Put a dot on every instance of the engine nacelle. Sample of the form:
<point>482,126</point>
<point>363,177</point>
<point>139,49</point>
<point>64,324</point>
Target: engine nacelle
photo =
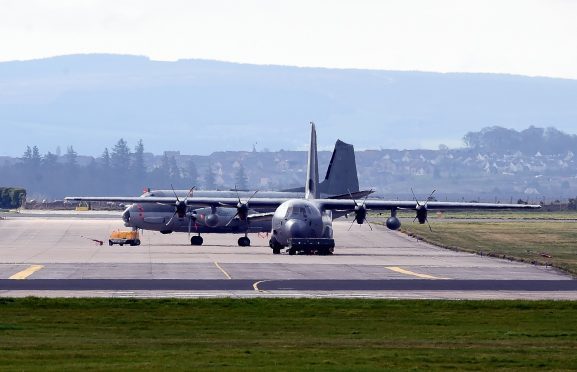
<point>360,214</point>
<point>393,223</point>
<point>211,220</point>
<point>180,207</point>
<point>242,211</point>
<point>422,214</point>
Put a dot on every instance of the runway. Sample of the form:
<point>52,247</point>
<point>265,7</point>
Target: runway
<point>53,255</point>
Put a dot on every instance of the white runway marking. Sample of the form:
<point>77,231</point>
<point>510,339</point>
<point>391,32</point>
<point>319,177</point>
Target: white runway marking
<point>223,271</point>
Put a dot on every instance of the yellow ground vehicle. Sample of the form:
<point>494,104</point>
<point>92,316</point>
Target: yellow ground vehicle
<point>124,237</point>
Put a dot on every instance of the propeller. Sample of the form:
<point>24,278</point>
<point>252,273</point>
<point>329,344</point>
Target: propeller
<point>180,206</point>
<point>241,208</point>
<point>422,210</point>
<point>360,212</point>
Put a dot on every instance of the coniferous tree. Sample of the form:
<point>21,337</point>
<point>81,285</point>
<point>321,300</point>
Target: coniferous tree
<point>105,160</point>
<point>50,161</point>
<point>36,158</point>
<point>138,167</point>
<point>120,157</point>
<point>71,159</point>
<point>27,156</point>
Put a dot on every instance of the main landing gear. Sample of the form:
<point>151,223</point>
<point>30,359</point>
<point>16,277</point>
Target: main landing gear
<point>244,241</point>
<point>196,240</point>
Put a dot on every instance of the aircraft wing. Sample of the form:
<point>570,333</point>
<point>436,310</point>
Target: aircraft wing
<point>372,204</point>
<point>169,200</point>
<point>326,204</point>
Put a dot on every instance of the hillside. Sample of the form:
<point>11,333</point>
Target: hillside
<point>198,106</point>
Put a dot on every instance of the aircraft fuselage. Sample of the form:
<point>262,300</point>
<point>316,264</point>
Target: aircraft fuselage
<point>159,217</point>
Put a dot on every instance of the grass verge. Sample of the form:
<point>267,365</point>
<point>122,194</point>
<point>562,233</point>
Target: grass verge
<point>539,242</point>
<point>285,334</point>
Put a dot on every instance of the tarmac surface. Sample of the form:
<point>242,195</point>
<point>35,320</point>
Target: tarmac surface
<point>57,255</point>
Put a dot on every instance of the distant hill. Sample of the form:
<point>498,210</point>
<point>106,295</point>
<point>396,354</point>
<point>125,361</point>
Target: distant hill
<point>198,106</point>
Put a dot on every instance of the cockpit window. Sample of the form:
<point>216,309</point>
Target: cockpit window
<point>297,212</point>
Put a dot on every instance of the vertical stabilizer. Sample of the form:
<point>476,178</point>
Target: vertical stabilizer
<point>341,178</point>
<point>312,184</point>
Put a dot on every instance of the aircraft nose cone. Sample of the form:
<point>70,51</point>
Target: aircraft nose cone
<point>296,229</point>
<point>126,216</point>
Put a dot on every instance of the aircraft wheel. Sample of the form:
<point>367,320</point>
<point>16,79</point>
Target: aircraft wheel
<point>110,243</point>
<point>244,241</point>
<point>276,250</point>
<point>196,240</point>
<point>292,251</point>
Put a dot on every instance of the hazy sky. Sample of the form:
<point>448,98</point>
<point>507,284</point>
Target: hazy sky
<point>529,37</point>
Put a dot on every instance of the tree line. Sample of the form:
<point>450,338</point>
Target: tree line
<point>547,141</point>
<point>119,171</point>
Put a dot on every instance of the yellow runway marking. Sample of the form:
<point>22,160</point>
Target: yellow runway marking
<point>407,272</point>
<point>26,273</point>
<point>221,269</point>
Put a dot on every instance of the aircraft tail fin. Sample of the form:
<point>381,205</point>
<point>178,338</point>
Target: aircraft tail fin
<point>312,185</point>
<point>341,177</point>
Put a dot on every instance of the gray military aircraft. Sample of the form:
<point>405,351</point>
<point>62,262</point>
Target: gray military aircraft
<point>305,224</point>
<point>340,182</point>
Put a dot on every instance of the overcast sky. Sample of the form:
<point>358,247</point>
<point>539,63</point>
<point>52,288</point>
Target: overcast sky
<point>528,37</point>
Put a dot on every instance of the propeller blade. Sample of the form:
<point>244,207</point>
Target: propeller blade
<point>189,193</point>
<point>352,222</point>
<point>368,223</point>
<point>233,217</point>
<point>172,187</point>
<point>237,194</point>
<point>351,195</point>
<point>252,196</point>
<point>415,197</point>
<point>429,198</point>
<point>367,196</point>
<point>171,218</point>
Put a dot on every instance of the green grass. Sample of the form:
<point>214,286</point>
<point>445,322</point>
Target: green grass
<point>529,241</point>
<point>281,334</point>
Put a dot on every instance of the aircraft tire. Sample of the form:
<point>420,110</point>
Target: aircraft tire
<point>196,240</point>
<point>244,242</point>
<point>276,250</point>
<point>292,251</point>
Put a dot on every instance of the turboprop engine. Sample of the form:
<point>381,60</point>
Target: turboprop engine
<point>421,214</point>
<point>393,222</point>
<point>211,220</point>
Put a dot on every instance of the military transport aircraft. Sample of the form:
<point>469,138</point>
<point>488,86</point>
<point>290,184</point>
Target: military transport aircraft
<point>302,224</point>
